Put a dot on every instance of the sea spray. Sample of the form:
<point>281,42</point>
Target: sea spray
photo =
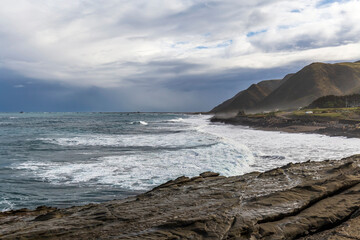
<point>64,159</point>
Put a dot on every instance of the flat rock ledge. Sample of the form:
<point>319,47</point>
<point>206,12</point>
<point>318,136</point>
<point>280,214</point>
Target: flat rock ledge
<point>311,200</point>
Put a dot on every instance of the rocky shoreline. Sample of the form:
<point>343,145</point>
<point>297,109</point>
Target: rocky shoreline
<point>311,200</point>
<point>297,124</point>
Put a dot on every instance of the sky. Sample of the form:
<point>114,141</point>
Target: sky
<point>161,55</point>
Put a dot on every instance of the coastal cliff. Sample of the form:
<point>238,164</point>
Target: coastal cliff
<point>311,200</point>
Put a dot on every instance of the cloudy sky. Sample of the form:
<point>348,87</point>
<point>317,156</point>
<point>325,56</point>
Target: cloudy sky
<point>161,55</point>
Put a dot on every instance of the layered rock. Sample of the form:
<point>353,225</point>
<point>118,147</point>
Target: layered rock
<point>288,122</point>
<point>312,200</point>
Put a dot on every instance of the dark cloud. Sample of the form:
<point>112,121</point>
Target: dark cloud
<point>161,55</point>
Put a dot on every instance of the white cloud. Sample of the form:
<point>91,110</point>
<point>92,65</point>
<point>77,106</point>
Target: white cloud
<point>111,43</point>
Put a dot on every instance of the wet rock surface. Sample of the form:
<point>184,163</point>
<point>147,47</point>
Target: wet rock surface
<point>312,200</point>
<point>298,124</point>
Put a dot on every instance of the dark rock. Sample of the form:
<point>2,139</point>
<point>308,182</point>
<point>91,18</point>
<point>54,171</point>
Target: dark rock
<point>311,200</point>
<point>209,174</point>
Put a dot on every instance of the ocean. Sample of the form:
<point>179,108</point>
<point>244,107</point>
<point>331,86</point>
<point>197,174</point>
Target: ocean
<point>66,159</point>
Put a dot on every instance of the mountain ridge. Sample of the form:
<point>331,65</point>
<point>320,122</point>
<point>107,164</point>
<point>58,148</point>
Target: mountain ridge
<point>296,90</point>
<point>248,98</point>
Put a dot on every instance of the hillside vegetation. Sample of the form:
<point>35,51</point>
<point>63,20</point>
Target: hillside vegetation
<point>330,113</point>
<point>333,101</point>
<point>296,90</point>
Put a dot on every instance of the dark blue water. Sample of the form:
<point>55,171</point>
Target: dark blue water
<point>52,158</point>
<point>66,159</point>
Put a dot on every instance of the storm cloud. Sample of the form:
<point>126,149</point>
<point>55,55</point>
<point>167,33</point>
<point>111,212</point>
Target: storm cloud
<point>180,55</point>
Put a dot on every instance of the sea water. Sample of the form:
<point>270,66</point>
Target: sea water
<point>66,159</point>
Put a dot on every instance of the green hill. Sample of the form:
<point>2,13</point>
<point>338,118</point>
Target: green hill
<point>296,90</point>
<point>333,101</point>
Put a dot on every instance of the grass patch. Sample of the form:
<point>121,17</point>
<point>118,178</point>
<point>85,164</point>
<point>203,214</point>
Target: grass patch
<point>337,113</point>
<point>263,115</point>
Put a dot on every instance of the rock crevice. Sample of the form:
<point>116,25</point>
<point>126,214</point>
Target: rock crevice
<point>311,200</point>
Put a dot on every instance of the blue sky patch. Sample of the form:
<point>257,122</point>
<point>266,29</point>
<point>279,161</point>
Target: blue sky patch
<point>251,34</point>
<point>326,2</point>
<point>225,44</point>
<point>168,51</point>
<point>220,45</point>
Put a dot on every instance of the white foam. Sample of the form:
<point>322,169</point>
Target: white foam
<point>5,202</point>
<point>177,139</point>
<point>142,171</point>
<point>143,123</point>
<point>139,122</point>
<point>176,120</point>
<point>274,149</point>
<point>229,150</point>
